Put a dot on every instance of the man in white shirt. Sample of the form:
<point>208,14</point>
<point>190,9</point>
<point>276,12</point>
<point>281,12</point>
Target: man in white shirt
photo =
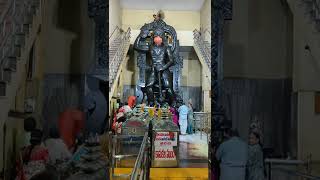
<point>58,150</point>
<point>183,118</point>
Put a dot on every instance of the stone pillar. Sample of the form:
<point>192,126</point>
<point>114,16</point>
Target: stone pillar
<point>206,89</point>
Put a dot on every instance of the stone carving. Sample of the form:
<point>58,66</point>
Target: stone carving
<point>95,104</point>
<point>97,9</point>
<point>159,78</point>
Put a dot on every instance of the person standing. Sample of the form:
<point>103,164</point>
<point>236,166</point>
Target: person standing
<point>174,114</point>
<point>190,118</point>
<point>233,156</point>
<point>255,167</point>
<point>183,118</point>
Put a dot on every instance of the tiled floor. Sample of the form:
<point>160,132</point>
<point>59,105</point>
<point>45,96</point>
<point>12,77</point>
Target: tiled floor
<point>193,150</point>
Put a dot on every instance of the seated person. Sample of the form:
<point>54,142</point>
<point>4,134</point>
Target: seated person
<point>29,125</point>
<point>125,109</point>
<point>120,118</point>
<point>33,159</point>
<point>132,101</point>
<point>58,150</point>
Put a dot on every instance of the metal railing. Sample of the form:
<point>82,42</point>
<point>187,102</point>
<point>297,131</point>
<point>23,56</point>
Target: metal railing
<point>295,174</point>
<point>289,169</point>
<point>130,148</point>
<point>116,30</point>
<point>141,166</point>
<point>206,31</point>
<point>117,57</point>
<point>202,122</point>
<point>205,49</point>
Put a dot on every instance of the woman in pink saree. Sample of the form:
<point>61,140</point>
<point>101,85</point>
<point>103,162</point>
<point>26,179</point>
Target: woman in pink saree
<point>174,115</point>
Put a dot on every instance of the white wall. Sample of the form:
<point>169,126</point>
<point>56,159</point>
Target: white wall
<point>308,127</point>
<point>180,20</point>
<point>255,41</point>
<point>306,73</point>
<point>306,65</point>
<point>191,73</point>
<point>205,19</point>
<point>115,13</point>
<point>184,23</point>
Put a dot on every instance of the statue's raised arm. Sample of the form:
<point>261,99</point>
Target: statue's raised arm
<point>141,43</point>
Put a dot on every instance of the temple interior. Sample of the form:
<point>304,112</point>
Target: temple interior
<point>159,89</point>
<point>187,31</point>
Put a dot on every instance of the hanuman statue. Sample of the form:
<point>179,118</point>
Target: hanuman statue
<point>158,41</point>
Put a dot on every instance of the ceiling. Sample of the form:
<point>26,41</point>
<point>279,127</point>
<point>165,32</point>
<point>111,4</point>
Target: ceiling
<point>173,5</point>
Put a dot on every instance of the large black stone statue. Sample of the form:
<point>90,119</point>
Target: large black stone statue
<point>159,63</point>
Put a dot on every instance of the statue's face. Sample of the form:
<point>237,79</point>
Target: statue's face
<point>157,40</point>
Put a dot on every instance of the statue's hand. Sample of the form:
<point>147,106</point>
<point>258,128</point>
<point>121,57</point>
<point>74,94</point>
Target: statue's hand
<point>144,33</point>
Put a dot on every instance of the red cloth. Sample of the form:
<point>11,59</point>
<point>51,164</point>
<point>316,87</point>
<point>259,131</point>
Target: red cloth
<point>38,153</point>
<point>71,122</point>
<point>131,101</point>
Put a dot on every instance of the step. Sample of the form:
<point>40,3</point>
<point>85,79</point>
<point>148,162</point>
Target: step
<point>116,43</point>
<point>111,55</point>
<point>113,50</point>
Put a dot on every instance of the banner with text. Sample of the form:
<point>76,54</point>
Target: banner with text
<point>164,143</point>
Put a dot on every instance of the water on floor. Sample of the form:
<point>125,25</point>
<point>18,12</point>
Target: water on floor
<point>193,150</point>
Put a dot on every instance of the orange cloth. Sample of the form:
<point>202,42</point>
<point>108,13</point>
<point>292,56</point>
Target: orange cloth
<point>131,101</point>
<point>71,122</point>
